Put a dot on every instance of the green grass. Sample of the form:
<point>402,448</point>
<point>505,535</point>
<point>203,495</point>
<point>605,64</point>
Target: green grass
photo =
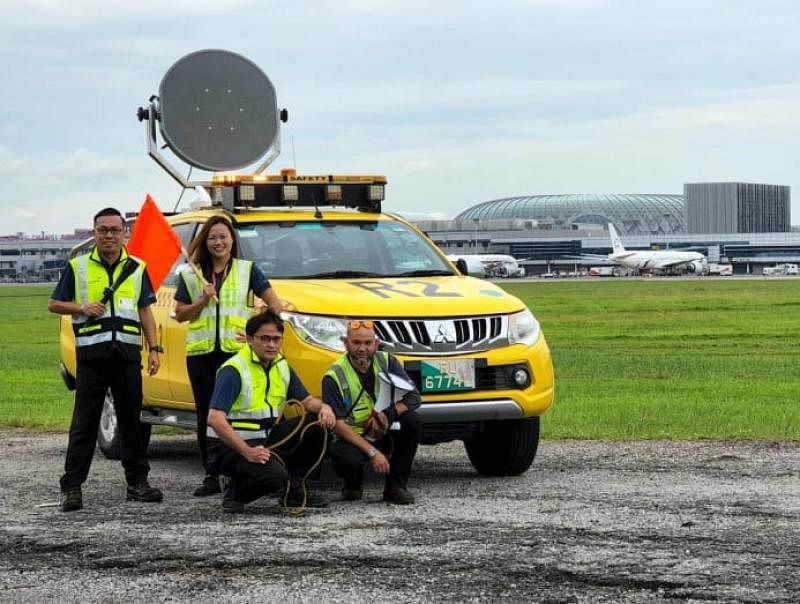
<point>634,359</point>
<point>32,394</point>
<point>671,359</point>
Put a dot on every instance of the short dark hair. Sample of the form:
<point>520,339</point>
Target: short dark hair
<point>108,212</point>
<point>265,318</point>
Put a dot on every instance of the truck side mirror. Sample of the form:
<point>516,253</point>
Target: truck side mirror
<point>461,265</point>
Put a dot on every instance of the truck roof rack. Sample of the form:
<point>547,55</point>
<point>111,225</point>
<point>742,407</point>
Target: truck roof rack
<point>289,190</point>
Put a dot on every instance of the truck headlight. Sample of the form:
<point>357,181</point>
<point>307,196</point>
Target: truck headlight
<point>523,328</point>
<point>326,332</point>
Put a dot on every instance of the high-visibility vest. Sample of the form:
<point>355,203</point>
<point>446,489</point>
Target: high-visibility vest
<point>119,324</point>
<point>232,311</point>
<point>262,395</point>
<point>357,400</point>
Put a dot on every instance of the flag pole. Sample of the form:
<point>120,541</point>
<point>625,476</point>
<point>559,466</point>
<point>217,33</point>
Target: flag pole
<point>197,271</point>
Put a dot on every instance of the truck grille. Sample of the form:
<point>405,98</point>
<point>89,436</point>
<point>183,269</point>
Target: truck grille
<point>442,336</point>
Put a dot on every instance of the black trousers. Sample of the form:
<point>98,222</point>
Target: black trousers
<point>294,459</point>
<point>202,369</point>
<point>124,378</point>
<point>400,446</point>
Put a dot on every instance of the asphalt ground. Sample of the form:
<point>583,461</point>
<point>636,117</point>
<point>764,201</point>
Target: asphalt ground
<point>589,522</point>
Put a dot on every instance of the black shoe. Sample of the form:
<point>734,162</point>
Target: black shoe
<point>71,499</point>
<point>300,497</point>
<point>230,503</point>
<point>144,492</point>
<point>398,494</point>
<point>232,506</point>
<point>354,494</point>
<point>209,486</point>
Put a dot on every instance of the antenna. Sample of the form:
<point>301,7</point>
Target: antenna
<point>217,111</point>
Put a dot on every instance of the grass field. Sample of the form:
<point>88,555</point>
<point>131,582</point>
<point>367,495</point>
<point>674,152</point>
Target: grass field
<point>661,358</point>
<point>32,394</point>
<point>650,358</point>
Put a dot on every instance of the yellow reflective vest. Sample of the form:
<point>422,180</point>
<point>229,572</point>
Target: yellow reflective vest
<point>357,400</point>
<point>262,395</point>
<point>119,325</point>
<point>231,313</point>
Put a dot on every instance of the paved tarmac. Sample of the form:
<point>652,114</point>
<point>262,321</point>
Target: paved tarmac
<point>589,522</point>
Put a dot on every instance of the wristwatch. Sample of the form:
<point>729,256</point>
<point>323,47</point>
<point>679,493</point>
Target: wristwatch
<point>372,453</point>
<point>158,349</point>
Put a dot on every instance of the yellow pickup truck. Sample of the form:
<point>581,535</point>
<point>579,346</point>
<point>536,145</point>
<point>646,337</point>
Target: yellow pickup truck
<point>476,353</point>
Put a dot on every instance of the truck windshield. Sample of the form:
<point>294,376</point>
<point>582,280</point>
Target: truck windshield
<point>331,249</point>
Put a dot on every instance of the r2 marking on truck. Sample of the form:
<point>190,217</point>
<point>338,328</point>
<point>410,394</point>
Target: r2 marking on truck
<point>387,290</point>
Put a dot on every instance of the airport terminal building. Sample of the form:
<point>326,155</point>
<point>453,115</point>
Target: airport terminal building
<point>743,224</point>
<point>750,227</point>
<point>33,259</point>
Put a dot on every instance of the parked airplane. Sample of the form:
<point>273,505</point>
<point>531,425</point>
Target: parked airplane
<point>658,260</point>
<point>491,265</point>
<point>651,260</point>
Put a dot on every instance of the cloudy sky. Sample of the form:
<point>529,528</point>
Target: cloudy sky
<point>456,102</point>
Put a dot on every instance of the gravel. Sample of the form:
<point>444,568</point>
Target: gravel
<point>591,521</point>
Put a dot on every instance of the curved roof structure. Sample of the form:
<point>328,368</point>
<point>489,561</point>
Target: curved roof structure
<point>631,214</point>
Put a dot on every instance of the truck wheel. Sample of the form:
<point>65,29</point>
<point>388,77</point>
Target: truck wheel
<point>504,448</point>
<point>108,434</point>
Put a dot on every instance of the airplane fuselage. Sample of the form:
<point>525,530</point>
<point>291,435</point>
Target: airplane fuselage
<point>650,260</point>
<point>659,260</point>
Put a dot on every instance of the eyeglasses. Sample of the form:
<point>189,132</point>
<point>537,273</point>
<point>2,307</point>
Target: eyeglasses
<point>359,324</point>
<point>108,230</point>
<point>265,339</point>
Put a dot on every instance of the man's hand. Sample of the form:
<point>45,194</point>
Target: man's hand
<point>327,418</point>
<point>153,362</point>
<point>391,415</point>
<point>376,426</point>
<point>94,309</point>
<point>259,454</point>
<point>380,464</point>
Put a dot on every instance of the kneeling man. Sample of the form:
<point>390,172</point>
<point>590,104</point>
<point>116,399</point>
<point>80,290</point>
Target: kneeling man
<point>352,386</point>
<point>245,443</point>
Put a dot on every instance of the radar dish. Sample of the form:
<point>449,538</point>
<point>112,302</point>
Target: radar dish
<point>218,110</point>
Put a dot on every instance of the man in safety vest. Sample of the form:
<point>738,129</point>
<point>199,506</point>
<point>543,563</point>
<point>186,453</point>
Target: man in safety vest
<point>387,439</point>
<point>108,294</point>
<point>249,438</point>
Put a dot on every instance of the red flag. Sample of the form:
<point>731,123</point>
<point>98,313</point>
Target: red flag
<point>154,241</point>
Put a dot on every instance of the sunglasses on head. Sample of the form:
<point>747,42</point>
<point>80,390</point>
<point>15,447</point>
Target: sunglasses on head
<point>359,324</point>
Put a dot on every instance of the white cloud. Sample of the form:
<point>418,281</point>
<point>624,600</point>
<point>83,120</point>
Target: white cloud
<point>455,102</point>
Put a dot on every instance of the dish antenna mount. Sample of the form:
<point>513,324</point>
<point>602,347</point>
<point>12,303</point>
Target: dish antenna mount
<point>215,110</point>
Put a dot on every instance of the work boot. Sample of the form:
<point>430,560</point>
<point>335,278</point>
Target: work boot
<point>71,499</point>
<point>299,496</point>
<point>230,503</point>
<point>142,491</point>
<point>209,486</point>
<point>232,506</point>
<point>396,492</point>
<point>352,493</point>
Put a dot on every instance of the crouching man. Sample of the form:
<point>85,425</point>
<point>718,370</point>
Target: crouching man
<point>250,393</point>
<point>352,386</point>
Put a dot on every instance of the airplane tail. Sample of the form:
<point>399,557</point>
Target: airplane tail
<point>616,242</point>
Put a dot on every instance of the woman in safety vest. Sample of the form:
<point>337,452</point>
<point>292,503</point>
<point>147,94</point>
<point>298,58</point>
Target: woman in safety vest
<point>217,310</point>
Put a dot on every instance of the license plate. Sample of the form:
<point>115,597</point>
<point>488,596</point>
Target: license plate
<point>447,375</point>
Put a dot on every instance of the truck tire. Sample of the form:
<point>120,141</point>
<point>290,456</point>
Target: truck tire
<point>108,433</point>
<point>504,448</point>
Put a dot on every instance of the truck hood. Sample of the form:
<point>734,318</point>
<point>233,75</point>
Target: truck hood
<point>447,296</point>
